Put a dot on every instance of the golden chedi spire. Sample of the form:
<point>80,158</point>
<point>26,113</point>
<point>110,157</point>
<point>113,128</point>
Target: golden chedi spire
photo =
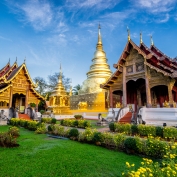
<point>59,90</point>
<point>99,70</point>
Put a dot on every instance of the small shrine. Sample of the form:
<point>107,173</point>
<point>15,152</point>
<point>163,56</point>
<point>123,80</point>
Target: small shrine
<point>59,99</point>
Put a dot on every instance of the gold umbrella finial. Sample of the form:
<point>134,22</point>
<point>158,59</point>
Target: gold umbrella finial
<point>128,33</point>
<point>141,38</point>
<point>152,42</point>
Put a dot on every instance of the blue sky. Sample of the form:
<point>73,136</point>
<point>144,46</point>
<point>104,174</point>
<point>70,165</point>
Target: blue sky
<point>50,32</point>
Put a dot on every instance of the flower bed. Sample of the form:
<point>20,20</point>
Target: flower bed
<point>167,133</point>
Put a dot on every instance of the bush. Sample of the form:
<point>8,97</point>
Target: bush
<point>87,135</point>
<point>170,132</point>
<point>53,121</point>
<point>42,111</point>
<point>159,131</point>
<point>112,127</point>
<point>14,121</point>
<point>61,122</point>
<point>32,125</point>
<point>58,130</point>
<point>75,123</point>
<point>41,129</point>
<point>97,137</point>
<point>14,131</point>
<point>73,133</point>
<point>145,130</point>
<point>46,120</point>
<point>134,129</point>
<point>123,128</point>
<point>130,144</point>
<point>119,140</point>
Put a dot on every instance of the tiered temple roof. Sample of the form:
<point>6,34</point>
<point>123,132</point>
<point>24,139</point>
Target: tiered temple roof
<point>154,58</point>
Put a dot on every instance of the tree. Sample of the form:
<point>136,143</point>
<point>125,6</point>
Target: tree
<point>53,80</point>
<point>42,85</point>
<point>76,89</point>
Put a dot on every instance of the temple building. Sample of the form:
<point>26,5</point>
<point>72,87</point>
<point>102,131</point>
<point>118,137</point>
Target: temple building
<point>144,76</point>
<point>91,96</point>
<point>17,88</point>
<point>59,99</point>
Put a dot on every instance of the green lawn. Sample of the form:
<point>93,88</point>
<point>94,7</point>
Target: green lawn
<point>39,156</point>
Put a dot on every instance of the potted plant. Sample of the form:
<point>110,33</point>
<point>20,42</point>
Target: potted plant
<point>78,116</point>
<point>33,105</point>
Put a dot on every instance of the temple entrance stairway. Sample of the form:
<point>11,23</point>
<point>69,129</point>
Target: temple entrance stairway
<point>24,116</point>
<point>126,118</point>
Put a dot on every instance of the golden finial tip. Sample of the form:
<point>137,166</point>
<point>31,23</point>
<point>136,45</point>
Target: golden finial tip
<point>128,33</point>
<point>141,38</point>
<point>152,42</point>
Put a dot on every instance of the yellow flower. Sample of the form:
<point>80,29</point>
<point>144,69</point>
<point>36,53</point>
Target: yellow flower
<point>133,165</point>
<point>150,174</point>
<point>123,173</point>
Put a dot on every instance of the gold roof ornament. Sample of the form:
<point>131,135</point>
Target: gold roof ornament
<point>128,31</point>
<point>9,60</point>
<point>141,38</point>
<point>25,60</point>
<point>16,60</point>
<point>152,42</point>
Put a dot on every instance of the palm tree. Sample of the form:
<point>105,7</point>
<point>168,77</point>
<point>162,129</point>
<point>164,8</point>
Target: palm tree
<point>76,89</point>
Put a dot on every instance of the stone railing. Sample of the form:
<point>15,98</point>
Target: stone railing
<point>158,116</point>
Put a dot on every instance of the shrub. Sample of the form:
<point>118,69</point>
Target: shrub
<point>97,137</point>
<point>170,132</point>
<point>73,133</point>
<point>134,129</point>
<point>87,124</point>
<point>159,131</point>
<point>46,120</point>
<point>123,128</point>
<point>108,139</point>
<point>119,140</point>
<point>32,125</point>
<point>14,131</point>
<point>111,126</point>
<point>75,123</point>
<point>58,130</point>
<point>61,122</point>
<point>130,144</point>
<point>32,104</point>
<point>87,135</point>
<point>140,144</point>
<point>42,111</point>
<point>41,129</point>
<point>14,121</point>
<point>145,130</point>
<point>50,128</point>
<point>53,121</point>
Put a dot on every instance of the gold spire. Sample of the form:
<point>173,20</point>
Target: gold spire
<point>16,60</point>
<point>99,34</point>
<point>128,33</point>
<point>9,60</point>
<point>25,60</point>
<point>60,75</point>
<point>152,42</point>
<point>141,38</point>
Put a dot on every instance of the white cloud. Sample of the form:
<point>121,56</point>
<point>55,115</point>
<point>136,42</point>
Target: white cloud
<point>155,6</point>
<point>36,12</point>
<point>98,4</point>
<point>165,19</point>
<point>6,39</point>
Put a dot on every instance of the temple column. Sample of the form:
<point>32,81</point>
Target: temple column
<point>110,97</point>
<point>139,98</point>
<point>148,90</point>
<point>27,97</point>
<point>124,87</point>
<point>11,95</point>
<point>170,95</point>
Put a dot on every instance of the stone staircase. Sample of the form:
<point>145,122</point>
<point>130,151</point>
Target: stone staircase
<point>126,118</point>
<point>24,116</point>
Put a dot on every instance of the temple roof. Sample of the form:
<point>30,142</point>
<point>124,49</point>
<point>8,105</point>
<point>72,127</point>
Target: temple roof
<point>154,59</point>
<point>10,72</point>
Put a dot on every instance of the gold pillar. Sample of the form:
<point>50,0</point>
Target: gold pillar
<point>10,98</point>
<point>170,95</point>
<point>148,90</point>
<point>124,87</point>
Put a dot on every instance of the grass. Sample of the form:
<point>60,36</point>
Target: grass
<point>40,156</point>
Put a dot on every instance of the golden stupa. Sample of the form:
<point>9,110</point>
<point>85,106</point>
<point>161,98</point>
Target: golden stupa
<point>59,100</point>
<point>91,96</point>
